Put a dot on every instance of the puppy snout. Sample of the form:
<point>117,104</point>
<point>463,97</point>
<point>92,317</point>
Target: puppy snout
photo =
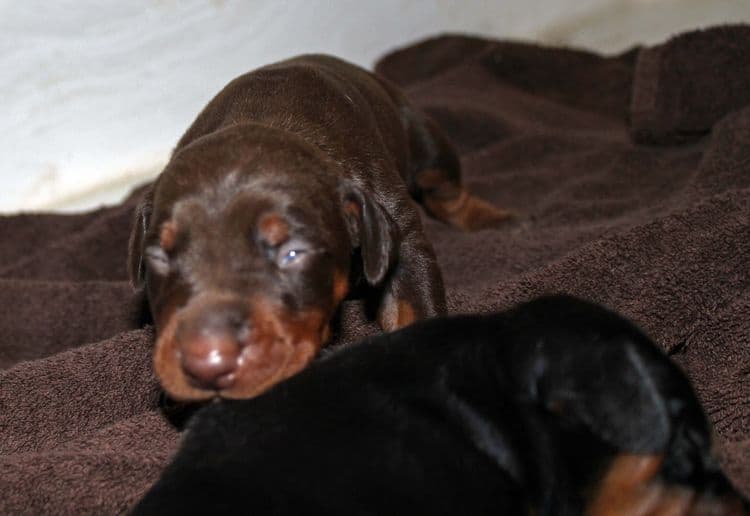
<point>210,362</point>
<point>210,343</point>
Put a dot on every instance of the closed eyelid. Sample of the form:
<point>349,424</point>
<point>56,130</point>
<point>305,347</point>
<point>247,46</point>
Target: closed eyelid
<point>157,259</point>
<point>292,255</point>
<point>155,251</point>
<point>302,252</point>
<point>301,247</point>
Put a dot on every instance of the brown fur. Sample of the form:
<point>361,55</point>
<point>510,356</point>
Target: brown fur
<point>282,344</point>
<point>284,176</point>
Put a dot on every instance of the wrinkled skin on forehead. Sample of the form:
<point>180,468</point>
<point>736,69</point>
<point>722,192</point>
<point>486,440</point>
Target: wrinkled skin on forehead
<point>216,223</point>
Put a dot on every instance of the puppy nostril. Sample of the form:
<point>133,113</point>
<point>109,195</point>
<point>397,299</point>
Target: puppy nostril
<point>210,362</point>
<point>289,301</point>
<point>236,320</point>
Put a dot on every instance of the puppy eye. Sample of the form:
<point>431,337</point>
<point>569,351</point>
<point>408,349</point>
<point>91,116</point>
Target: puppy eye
<point>290,257</point>
<point>157,259</point>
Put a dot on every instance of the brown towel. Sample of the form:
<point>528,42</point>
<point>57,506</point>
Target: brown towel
<point>658,233</point>
<point>684,86</point>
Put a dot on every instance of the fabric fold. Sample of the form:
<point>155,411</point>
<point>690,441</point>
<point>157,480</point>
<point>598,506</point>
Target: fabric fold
<point>683,87</point>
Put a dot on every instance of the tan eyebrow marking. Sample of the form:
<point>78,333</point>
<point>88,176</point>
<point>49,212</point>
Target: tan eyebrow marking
<point>168,235</point>
<point>274,229</point>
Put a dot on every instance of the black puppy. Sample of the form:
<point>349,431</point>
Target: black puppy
<point>556,407</point>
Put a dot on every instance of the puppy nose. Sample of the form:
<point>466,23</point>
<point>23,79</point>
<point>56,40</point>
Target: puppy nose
<point>210,361</point>
<point>211,335</point>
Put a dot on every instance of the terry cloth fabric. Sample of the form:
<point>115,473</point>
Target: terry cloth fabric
<point>659,233</point>
<point>684,87</point>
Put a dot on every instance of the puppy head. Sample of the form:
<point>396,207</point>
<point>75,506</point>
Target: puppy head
<point>244,262</point>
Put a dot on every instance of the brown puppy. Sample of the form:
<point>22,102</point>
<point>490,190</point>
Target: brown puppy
<point>291,176</point>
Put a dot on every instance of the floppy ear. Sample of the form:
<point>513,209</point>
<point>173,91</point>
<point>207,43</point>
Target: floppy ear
<point>141,218</point>
<point>372,230</point>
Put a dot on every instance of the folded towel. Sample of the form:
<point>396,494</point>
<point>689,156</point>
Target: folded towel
<point>687,84</point>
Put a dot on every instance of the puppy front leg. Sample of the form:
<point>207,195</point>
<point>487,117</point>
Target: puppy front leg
<point>414,288</point>
<point>397,259</point>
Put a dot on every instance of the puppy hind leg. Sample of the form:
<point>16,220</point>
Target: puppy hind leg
<point>623,391</point>
<point>435,180</point>
<point>449,202</point>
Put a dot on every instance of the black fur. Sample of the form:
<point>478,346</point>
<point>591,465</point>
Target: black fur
<point>502,414</point>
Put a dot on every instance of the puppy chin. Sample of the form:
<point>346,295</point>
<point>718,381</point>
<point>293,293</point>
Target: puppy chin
<point>249,384</point>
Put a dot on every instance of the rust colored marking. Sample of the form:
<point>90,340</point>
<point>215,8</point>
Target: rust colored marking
<point>466,211</point>
<point>395,314</point>
<point>446,200</point>
<point>280,344</point>
<point>325,335</point>
<point>168,235</point>
<point>623,488</point>
<point>630,488</point>
<point>274,229</point>
<point>340,286</point>
<point>353,208</point>
<point>406,314</point>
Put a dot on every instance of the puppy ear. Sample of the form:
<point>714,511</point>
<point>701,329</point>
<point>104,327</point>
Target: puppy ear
<point>372,230</point>
<point>141,219</point>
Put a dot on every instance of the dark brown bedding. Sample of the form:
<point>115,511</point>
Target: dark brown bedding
<point>632,173</point>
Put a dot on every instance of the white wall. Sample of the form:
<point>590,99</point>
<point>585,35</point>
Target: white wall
<point>95,94</point>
